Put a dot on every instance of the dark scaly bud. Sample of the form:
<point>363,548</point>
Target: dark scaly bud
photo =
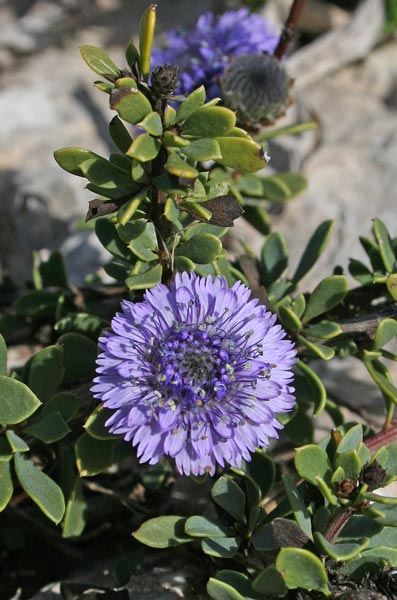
<point>258,87</point>
<point>374,476</point>
<point>164,80</point>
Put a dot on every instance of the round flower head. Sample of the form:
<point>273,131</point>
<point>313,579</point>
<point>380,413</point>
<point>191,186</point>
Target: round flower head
<point>204,53</point>
<point>197,372</point>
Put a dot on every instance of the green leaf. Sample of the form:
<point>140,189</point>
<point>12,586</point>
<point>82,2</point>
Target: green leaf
<point>351,439</point>
<point>218,590</point>
<point>74,520</point>
<point>6,485</point>
<point>270,583</point>
<point>162,532</point>
<point>145,280</point>
<point>131,54</point>
<point>203,149</point>
<point>311,461</point>
<point>298,506</point>
<point>340,551</point>
<point>131,105</point>
<point>391,284</point>
<point>350,463</point>
<point>51,272</point>
<point>314,249</point>
<point>18,402</point>
<point>16,443</point>
<point>238,581</point>
<point>198,526</point>
<point>95,424</point>
<point>360,272</point>
<point>144,148</point>
<point>385,245</point>
<point>48,429</point>
<point>262,470</point>
<point>147,26</point>
<point>93,456</point>
<point>192,103</point>
<point>84,323</point>
<point>229,496</point>
<point>152,124</point>
<point>3,356</point>
<point>302,569</point>
<point>319,394</point>
<point>382,378</point>
<point>140,235</point>
<point>107,234</point>
<point>36,304</point>
<point>178,167</point>
<point>203,248</point>
<point>210,121</point>
<point>258,217</point>
<point>274,257</point>
<point>226,547</point>
<point>324,330</point>
<point>327,294</point>
<point>79,357</point>
<point>105,174</point>
<point>6,452</point>
<point>319,350</point>
<point>46,372</point>
<point>385,332</point>
<point>71,159</point>
<point>241,153</point>
<point>41,488</point>
<point>64,403</point>
<point>99,62</point>
<point>289,319</point>
<point>119,134</point>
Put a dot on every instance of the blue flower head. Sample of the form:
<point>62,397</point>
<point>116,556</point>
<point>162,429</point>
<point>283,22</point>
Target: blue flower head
<point>196,371</point>
<point>204,53</point>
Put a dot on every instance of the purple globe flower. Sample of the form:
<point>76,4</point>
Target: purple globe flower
<point>204,53</point>
<point>197,372</point>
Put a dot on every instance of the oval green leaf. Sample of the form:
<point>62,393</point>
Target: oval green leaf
<point>328,293</point>
<point>302,569</point>
<point>163,532</point>
<point>210,121</point>
<point>229,496</point>
<point>18,402</point>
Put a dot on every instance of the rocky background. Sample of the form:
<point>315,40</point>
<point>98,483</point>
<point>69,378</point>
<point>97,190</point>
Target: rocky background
<point>345,78</point>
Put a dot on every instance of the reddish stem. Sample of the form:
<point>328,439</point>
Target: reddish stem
<point>383,438</point>
<point>288,31</point>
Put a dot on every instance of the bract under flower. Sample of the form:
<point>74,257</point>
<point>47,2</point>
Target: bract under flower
<point>197,372</point>
<point>204,53</point>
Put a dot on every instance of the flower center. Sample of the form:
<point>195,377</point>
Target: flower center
<point>193,366</point>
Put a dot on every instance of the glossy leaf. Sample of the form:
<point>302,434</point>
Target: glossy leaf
<point>289,318</point>
<point>226,547</point>
<point>99,62</point>
<point>229,496</point>
<point>327,294</point>
<point>109,238</point>
<point>219,590</point>
<point>311,461</point>
<point>198,526</point>
<point>93,456</point>
<point>74,520</point>
<point>84,323</point>
<point>202,248</point>
<point>162,532</point>
<point>302,569</point>
<point>18,402</point>
<point>192,103</point>
<point>270,582</point>
<point>313,250</point>
<point>144,148</point>
<point>119,134</point>
<point>385,332</point>
<point>146,34</point>
<point>340,552</point>
<point>241,153</point>
<point>360,272</point>
<point>350,463</point>
<point>48,429</point>
<point>385,245</point>
<point>239,581</point>
<point>298,506</point>
<point>16,443</point>
<point>41,488</point>
<point>71,159</point>
<point>46,372</point>
<point>140,235</point>
<point>391,284</point>
<point>6,485</point>
<point>152,124</point>
<point>351,439</point>
<point>274,257</point>
<point>95,424</point>
<point>325,330</point>
<point>258,217</point>
<point>175,165</point>
<point>203,149</point>
<point>79,357</point>
<point>145,280</point>
<point>104,173</point>
<point>319,350</point>
<point>3,356</point>
<point>131,105</point>
<point>210,121</point>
